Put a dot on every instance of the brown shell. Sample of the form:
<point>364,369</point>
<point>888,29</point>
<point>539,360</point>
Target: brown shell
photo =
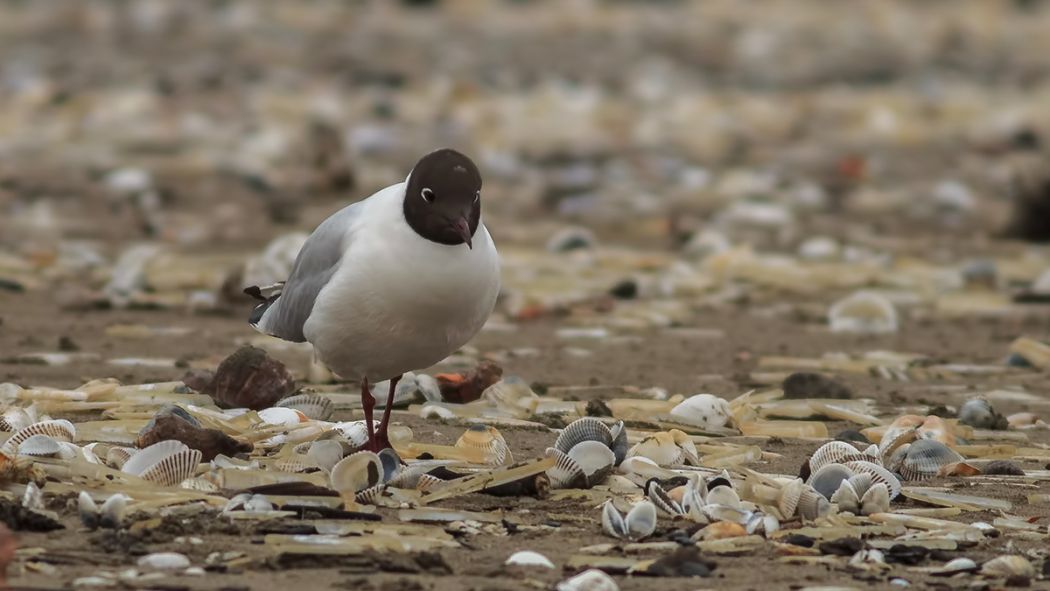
<point>250,378</point>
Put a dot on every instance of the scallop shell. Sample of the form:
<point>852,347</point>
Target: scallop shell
<point>878,474</point>
<point>923,459</point>
<point>357,472</point>
<point>355,432</point>
<point>166,463</point>
<point>565,473</point>
<point>1010,565</point>
<point>118,456</point>
<point>325,453</point>
<point>829,478</point>
<point>703,410</point>
<point>589,580</point>
<point>639,523</point>
<point>583,429</point>
<point>58,429</point>
<point>370,495</point>
<point>39,445</point>
<point>595,459</point>
<point>486,438</point>
<point>798,498</point>
<point>428,482</point>
<point>662,500</point>
<point>15,419</point>
<point>658,447</point>
<point>690,456</point>
<point>314,406</point>
<point>199,484</point>
<point>835,452</point>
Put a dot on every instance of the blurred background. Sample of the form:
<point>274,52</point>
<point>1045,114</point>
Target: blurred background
<point>675,186</point>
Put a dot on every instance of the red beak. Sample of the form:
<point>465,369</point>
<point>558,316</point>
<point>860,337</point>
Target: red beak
<point>463,229</point>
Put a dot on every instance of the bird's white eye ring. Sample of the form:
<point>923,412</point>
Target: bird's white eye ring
<point>427,195</point>
<point>477,196</point>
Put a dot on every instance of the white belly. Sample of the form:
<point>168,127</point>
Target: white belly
<point>402,303</point>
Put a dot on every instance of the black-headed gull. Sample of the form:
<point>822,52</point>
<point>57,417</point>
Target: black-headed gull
<point>393,283</point>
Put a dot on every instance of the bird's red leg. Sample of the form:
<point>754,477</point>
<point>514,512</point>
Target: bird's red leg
<point>381,436</point>
<point>368,402</point>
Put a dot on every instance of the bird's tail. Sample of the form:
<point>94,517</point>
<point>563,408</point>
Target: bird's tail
<point>267,296</point>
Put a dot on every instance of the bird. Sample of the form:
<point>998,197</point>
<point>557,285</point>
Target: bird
<point>392,283</point>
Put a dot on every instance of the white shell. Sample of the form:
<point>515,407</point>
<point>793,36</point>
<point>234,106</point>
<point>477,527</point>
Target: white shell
<point>1007,566</point>
<point>357,472</point>
<point>111,514</point>
<point>326,453</point>
<point>863,312</point>
<point>277,415</point>
<point>88,510</point>
<point>355,432</point>
<point>314,406</point>
<point>595,458</point>
<point>164,561</point>
<point>566,472</point>
<point>166,463</point>
<point>529,558</point>
<point>39,445</point>
<point>33,498</point>
<point>660,448</point>
<point>589,580</point>
<point>703,410</point>
<point>639,523</point>
<point>723,495</point>
<point>58,429</point>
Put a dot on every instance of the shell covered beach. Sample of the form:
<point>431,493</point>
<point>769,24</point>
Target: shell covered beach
<point>775,305</point>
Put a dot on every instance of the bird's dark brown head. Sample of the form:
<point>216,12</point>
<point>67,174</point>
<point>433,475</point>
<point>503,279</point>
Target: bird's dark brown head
<point>443,198</point>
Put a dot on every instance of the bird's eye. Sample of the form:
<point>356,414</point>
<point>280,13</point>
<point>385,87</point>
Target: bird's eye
<point>427,195</point>
<point>477,196</point>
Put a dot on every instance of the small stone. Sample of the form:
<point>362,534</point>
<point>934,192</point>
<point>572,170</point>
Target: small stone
<point>1003,468</point>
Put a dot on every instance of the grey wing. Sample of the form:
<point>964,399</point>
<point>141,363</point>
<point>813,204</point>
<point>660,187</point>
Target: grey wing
<point>284,315</point>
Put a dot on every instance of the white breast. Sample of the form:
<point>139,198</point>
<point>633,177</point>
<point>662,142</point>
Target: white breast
<point>399,302</point>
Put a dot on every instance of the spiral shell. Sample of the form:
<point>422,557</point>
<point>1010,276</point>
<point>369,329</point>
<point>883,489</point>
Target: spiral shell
<point>489,440</point>
<point>313,406</point>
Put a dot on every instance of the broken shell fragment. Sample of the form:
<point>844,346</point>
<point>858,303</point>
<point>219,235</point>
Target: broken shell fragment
<point>863,312</point>
<point>638,524</point>
<point>529,558</point>
<point>589,580</point>
<point>489,440</point>
<point>956,566</point>
<point>704,411</point>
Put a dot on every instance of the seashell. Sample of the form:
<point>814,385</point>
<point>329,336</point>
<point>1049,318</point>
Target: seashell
<point>529,558</point>
<point>488,439</point>
<point>956,566</point>
<point>284,417</point>
<point>860,495</point>
<point>923,459</point>
<point>313,406</point>
<point>357,472</point>
<point>704,411</point>
<point>15,419</point>
<point>1010,565</point>
<point>589,580</point>
<point>721,530</point>
<point>829,478</point>
<point>295,463</point>
<point>57,429</point>
<point>428,482</point>
<point>595,459</point>
<point>584,429</point>
<point>690,456</point>
<point>1024,420</point>
<point>799,499</point>
<point>960,469</point>
<point>936,429</point>
<point>722,495</point>
<point>171,423</point>
<point>979,414</point>
<point>355,432</point>
<point>39,445</point>
<point>166,463</point>
<point>901,431</point>
<point>164,561</point>
<point>638,524</point>
<point>250,378</point>
<point>565,473</point>
<point>662,500</point>
<point>658,447</point>
<point>757,522</point>
<point>835,452</point>
<point>88,510</point>
<point>512,393</point>
<point>199,484</point>
<point>619,444</point>
<point>325,453</point>
<point>117,456</point>
<point>863,312</point>
<point>878,474</point>
<point>33,498</point>
<point>111,515</point>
